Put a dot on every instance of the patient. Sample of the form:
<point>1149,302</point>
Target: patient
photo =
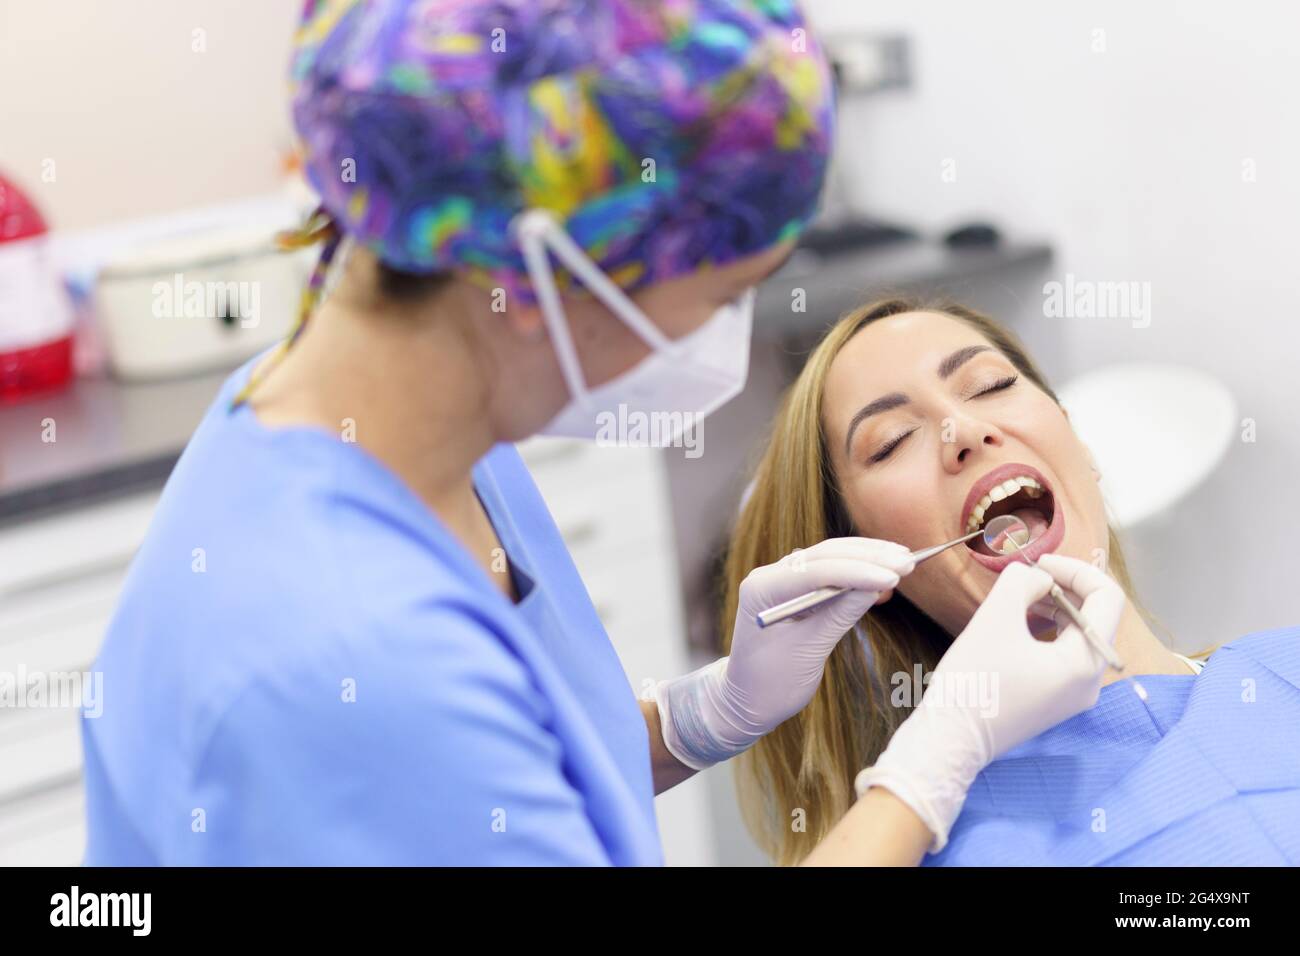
<point>849,455</point>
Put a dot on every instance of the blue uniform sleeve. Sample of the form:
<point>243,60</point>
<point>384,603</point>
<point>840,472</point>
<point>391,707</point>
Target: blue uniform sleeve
<point>431,747</point>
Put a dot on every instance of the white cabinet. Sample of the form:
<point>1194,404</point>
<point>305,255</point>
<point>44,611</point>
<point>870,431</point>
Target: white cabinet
<point>59,580</point>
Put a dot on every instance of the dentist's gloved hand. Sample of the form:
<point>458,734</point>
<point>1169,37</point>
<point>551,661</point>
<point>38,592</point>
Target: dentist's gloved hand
<point>936,753</point>
<point>720,710</point>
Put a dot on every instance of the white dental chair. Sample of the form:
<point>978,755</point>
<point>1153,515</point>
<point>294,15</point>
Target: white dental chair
<point>1156,431</point>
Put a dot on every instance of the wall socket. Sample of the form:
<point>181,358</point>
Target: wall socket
<point>869,63</point>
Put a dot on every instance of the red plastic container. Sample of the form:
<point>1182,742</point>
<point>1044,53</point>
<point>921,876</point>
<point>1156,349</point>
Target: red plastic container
<point>35,318</point>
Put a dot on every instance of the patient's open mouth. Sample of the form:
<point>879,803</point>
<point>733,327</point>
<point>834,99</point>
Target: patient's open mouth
<point>1013,490</point>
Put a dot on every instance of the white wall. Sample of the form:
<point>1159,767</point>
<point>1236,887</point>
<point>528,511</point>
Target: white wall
<point>135,119</point>
<point>1131,161</point>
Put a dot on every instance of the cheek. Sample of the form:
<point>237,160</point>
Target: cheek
<point>879,511</point>
<point>606,348</point>
<point>906,522</point>
<point>1094,506</point>
<point>685,320</point>
<point>896,522</point>
<point>1069,458</point>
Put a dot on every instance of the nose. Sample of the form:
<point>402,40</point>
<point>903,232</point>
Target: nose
<point>966,440</point>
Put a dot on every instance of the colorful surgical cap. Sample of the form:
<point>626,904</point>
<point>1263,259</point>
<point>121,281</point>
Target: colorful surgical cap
<point>664,135</point>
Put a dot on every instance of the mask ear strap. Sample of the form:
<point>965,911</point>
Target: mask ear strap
<point>531,234</point>
<point>540,224</point>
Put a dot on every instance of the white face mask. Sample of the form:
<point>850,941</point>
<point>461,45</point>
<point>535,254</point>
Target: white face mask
<point>670,390</point>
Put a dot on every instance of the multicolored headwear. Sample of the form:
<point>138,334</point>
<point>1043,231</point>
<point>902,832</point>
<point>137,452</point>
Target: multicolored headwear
<point>664,135</point>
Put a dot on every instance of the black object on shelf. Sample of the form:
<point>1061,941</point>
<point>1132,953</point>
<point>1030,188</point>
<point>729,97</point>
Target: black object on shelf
<point>973,235</point>
<point>853,235</point>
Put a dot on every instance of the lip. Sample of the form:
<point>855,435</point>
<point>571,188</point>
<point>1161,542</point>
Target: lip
<point>1048,541</point>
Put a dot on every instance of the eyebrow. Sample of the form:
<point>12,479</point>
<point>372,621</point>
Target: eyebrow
<point>883,404</point>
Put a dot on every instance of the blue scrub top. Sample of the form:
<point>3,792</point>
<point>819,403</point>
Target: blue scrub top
<point>306,667</point>
<point>1207,773</point>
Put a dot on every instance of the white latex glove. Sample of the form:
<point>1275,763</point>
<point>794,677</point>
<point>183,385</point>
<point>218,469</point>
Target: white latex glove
<point>720,710</point>
<point>936,753</point>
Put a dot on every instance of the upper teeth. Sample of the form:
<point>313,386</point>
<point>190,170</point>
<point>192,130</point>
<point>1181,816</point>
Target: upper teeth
<point>999,492</point>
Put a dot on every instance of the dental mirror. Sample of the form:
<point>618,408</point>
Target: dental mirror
<point>1006,534</point>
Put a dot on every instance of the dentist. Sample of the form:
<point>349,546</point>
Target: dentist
<point>353,634</point>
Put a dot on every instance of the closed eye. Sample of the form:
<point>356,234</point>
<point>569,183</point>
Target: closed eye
<point>887,449</point>
<point>998,386</point>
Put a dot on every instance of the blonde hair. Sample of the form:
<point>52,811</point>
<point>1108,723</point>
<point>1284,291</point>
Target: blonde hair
<point>808,763</point>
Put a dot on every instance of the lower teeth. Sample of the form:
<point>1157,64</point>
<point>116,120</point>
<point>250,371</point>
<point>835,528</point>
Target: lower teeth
<point>1014,538</point>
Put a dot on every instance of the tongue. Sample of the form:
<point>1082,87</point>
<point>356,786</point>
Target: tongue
<point>1034,520</point>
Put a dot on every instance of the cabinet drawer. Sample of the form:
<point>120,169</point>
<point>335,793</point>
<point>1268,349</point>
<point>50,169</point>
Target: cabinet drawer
<point>49,831</point>
<point>627,506</point>
<point>572,469</point>
<point>66,547</point>
<point>60,578</point>
<point>638,600</point>
<point>40,750</point>
<point>61,627</point>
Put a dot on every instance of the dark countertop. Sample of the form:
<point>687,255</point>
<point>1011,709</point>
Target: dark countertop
<point>114,438</point>
<point>111,438</point>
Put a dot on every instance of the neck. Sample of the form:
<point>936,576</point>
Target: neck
<point>409,389</point>
<point>1140,650</point>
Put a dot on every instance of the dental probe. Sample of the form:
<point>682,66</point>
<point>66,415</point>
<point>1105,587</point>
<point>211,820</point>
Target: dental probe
<point>813,599</point>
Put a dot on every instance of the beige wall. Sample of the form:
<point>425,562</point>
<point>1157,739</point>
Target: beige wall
<point>135,121</point>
